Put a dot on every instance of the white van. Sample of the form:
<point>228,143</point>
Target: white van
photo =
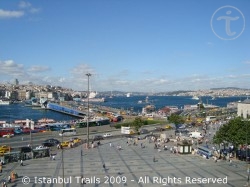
<point>195,135</point>
<point>210,118</point>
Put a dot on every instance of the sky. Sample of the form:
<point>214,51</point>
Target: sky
<point>126,45</point>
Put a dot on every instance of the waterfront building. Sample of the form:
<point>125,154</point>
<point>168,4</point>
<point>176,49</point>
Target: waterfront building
<point>243,109</point>
<point>21,94</point>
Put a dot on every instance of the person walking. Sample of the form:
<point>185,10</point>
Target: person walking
<point>9,179</point>
<point>4,184</point>
<point>104,167</point>
<point>21,163</point>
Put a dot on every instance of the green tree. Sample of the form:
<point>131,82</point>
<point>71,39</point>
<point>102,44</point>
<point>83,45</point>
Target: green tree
<point>236,131</point>
<point>176,119</point>
<point>137,123</point>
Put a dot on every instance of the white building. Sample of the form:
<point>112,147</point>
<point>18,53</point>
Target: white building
<point>243,109</point>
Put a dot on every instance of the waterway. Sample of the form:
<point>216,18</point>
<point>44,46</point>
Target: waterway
<point>19,111</point>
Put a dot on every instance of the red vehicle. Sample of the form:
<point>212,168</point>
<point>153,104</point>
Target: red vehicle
<point>6,131</point>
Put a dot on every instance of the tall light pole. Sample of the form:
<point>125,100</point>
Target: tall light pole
<point>248,169</point>
<point>88,74</point>
<point>30,125</point>
<point>62,162</point>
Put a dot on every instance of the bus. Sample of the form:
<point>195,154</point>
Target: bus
<point>6,131</point>
<point>201,150</point>
<point>210,118</point>
<point>127,130</point>
<point>67,132</point>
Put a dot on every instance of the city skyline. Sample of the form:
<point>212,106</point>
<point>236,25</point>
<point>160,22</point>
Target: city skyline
<point>144,46</point>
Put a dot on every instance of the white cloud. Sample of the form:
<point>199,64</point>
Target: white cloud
<point>9,67</point>
<point>24,4</point>
<point>37,69</point>
<point>10,14</point>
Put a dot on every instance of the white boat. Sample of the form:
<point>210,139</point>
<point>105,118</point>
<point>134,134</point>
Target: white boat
<point>195,97</point>
<point>92,98</point>
<point>213,98</point>
<point>92,95</point>
<point>128,94</point>
<point>2,102</point>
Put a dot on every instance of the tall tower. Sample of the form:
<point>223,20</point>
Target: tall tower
<point>16,82</point>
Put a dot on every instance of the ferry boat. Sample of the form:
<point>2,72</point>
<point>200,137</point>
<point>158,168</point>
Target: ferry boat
<point>195,97</point>
<point>92,98</point>
<point>3,102</point>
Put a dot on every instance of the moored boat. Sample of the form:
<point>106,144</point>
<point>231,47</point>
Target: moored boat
<point>4,102</point>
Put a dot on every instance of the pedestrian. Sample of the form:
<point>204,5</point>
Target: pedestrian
<point>9,179</point>
<point>4,184</point>
<point>104,167</point>
<point>21,163</point>
<point>154,159</point>
<point>230,162</point>
<point>215,160</point>
<point>53,157</point>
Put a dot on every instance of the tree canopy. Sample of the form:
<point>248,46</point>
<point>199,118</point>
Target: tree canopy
<point>137,123</point>
<point>236,131</point>
<point>176,119</point>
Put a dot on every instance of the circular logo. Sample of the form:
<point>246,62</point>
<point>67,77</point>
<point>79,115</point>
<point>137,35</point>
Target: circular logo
<point>26,180</point>
<point>227,23</point>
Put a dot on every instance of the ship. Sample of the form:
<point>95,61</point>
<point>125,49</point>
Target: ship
<point>92,98</point>
<point>195,97</point>
<point>4,102</point>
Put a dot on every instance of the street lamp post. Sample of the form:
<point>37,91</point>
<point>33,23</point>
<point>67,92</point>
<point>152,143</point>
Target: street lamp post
<point>30,126</point>
<point>88,74</point>
<point>62,162</point>
<point>248,171</point>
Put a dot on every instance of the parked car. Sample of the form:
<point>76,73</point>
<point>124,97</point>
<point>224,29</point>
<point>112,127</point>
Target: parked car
<point>98,137</point>
<point>25,149</point>
<point>76,140</point>
<point>107,135</point>
<point>143,131</point>
<point>159,129</point>
<point>5,148</point>
<point>8,135</point>
<point>48,144</point>
<point>53,141</point>
<point>65,143</point>
<point>40,147</point>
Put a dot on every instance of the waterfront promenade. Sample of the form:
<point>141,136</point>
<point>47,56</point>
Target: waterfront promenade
<point>131,166</point>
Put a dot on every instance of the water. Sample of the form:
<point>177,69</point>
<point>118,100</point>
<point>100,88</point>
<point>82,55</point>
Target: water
<point>161,101</point>
<point>13,112</point>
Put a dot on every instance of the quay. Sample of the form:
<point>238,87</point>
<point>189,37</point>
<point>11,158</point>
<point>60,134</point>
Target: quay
<point>79,111</point>
<point>66,110</point>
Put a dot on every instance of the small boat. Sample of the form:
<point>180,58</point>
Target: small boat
<point>4,102</point>
<point>195,97</point>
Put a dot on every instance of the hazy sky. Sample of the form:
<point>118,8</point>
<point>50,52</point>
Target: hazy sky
<point>127,45</point>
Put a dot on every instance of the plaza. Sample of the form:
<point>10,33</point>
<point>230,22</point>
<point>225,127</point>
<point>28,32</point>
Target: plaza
<point>131,166</point>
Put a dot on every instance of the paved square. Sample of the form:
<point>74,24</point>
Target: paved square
<point>132,166</point>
